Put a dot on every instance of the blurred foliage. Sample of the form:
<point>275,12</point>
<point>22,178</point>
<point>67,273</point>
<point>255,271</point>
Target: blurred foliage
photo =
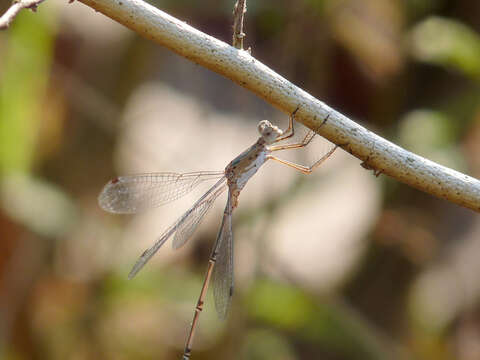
<point>432,135</point>
<point>24,74</point>
<point>409,70</point>
<point>447,43</point>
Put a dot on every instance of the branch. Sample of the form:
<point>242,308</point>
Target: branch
<point>239,11</point>
<point>239,66</point>
<point>7,18</point>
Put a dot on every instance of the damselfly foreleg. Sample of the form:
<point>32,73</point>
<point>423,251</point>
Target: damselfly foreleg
<point>289,132</point>
<point>306,140</point>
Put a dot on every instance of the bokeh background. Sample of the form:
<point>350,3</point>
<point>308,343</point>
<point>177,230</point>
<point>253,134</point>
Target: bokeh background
<point>340,265</point>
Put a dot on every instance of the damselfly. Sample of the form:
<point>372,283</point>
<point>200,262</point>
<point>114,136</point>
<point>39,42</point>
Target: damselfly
<point>134,193</point>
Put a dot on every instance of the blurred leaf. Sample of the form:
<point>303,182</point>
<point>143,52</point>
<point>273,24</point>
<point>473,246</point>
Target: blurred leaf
<point>26,63</point>
<point>264,344</point>
<point>447,43</point>
<point>271,20</point>
<point>317,5</point>
<point>328,322</point>
<point>433,305</point>
<point>431,134</point>
<point>40,206</point>
<point>284,306</point>
<point>418,8</point>
<point>432,129</point>
<point>371,31</point>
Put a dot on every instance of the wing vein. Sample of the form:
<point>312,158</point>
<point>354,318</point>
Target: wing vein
<point>223,270</point>
<point>190,216</point>
<point>135,193</point>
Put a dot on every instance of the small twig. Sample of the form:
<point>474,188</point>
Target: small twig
<point>7,18</point>
<point>239,11</point>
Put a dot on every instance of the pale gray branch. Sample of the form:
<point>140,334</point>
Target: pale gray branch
<point>240,67</point>
<point>7,18</point>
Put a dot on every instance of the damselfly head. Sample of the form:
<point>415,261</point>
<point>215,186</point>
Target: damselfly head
<point>268,131</point>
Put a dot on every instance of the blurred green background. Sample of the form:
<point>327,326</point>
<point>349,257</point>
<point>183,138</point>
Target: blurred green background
<point>337,266</point>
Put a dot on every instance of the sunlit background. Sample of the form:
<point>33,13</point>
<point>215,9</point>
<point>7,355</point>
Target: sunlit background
<point>339,265</point>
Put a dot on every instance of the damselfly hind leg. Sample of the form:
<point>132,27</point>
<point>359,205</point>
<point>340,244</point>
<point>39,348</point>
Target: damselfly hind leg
<point>305,169</point>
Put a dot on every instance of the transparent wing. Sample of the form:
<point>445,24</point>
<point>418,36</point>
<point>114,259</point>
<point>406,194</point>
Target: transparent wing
<point>192,215</point>
<point>185,230</point>
<point>223,270</point>
<point>135,193</point>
